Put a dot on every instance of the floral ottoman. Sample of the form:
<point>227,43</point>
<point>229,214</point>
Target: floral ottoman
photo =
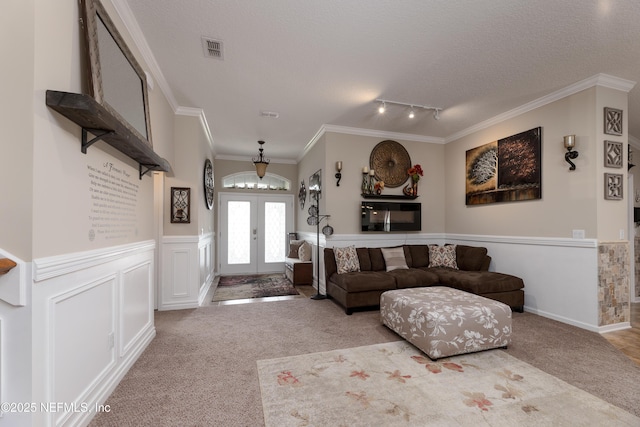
<point>443,321</point>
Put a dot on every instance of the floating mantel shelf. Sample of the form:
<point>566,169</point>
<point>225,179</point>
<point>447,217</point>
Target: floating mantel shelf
<point>388,196</point>
<point>93,118</point>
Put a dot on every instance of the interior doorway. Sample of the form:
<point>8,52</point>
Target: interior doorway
<point>253,232</point>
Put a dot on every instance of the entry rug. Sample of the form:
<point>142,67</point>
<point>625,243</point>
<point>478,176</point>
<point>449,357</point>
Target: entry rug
<point>253,286</point>
<point>394,384</point>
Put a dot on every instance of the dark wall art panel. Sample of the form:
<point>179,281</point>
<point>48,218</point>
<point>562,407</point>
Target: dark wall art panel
<point>506,170</point>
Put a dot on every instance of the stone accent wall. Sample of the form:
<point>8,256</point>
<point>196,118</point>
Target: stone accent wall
<point>636,291</point>
<point>613,283</point>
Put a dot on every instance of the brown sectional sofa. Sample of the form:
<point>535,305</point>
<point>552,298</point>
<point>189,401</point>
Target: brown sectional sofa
<point>362,289</point>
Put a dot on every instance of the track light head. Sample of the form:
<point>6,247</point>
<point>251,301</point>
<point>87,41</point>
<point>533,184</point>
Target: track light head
<point>436,114</point>
<point>382,108</point>
<point>411,113</point>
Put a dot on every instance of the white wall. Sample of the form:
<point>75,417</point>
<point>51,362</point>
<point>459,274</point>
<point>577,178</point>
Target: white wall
<point>343,202</point>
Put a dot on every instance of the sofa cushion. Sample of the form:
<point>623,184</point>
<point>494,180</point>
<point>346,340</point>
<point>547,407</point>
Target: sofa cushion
<point>377,260</point>
<point>364,281</point>
<point>304,252</point>
<point>346,259</point>
<point>363,258</point>
<point>394,258</point>
<point>442,256</point>
<point>470,258</point>
<point>413,278</point>
<point>478,282</point>
<point>419,255</point>
<point>294,246</point>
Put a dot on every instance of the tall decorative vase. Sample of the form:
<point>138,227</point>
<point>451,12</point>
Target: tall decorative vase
<point>415,188</point>
<point>365,183</point>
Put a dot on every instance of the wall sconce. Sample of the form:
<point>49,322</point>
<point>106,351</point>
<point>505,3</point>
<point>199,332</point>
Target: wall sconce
<point>339,173</point>
<point>261,163</point>
<point>569,143</point>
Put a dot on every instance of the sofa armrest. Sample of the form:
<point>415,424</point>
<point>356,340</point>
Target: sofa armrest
<point>330,266</point>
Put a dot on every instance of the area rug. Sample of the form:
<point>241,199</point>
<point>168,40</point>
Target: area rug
<point>394,384</point>
<point>253,286</point>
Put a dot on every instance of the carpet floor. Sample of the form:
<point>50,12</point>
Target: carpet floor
<point>253,286</point>
<point>201,369</point>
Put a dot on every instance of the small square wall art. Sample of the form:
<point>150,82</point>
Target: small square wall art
<point>612,154</point>
<point>612,121</point>
<point>613,186</point>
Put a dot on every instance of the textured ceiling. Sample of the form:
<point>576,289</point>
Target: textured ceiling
<point>325,62</point>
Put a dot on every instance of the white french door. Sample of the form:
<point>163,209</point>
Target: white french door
<point>253,232</point>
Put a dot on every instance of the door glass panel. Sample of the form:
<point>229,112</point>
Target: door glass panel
<point>239,232</point>
<point>275,230</point>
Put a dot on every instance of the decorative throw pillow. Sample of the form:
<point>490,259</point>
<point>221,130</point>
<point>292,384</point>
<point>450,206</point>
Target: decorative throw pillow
<point>394,258</point>
<point>347,259</point>
<point>304,252</point>
<point>294,246</point>
<point>443,256</point>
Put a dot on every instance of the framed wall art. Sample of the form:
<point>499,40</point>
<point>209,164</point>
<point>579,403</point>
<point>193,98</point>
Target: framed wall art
<point>180,205</point>
<point>506,170</point>
<point>612,154</point>
<point>612,121</point>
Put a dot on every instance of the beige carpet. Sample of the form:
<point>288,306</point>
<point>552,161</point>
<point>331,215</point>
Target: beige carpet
<point>201,369</point>
<point>395,384</point>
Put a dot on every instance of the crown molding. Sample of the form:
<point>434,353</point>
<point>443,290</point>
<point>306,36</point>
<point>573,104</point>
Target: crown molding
<point>367,132</point>
<point>382,134</point>
<point>603,80</point>
<point>197,112</point>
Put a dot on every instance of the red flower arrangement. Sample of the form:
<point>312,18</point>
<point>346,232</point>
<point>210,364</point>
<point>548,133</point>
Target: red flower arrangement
<point>415,172</point>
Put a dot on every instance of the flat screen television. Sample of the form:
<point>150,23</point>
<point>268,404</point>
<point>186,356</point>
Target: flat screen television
<point>391,216</point>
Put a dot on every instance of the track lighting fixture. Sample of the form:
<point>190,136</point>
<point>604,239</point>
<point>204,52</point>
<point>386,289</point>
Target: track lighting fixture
<point>383,106</point>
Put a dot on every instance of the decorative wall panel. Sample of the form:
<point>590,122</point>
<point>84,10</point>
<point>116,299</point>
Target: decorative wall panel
<point>613,283</point>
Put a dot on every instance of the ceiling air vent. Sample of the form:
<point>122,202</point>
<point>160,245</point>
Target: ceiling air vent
<point>212,48</point>
<point>270,114</point>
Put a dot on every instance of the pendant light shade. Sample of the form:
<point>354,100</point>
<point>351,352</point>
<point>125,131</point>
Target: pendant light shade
<point>260,162</point>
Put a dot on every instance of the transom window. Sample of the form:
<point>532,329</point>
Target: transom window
<point>250,180</point>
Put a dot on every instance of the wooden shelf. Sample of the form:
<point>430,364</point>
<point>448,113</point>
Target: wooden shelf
<point>388,196</point>
<point>6,265</point>
<point>93,118</point>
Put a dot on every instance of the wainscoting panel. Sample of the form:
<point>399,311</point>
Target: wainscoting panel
<point>205,257</point>
<point>187,271</point>
<point>136,295</point>
<point>92,318</point>
<point>82,324</point>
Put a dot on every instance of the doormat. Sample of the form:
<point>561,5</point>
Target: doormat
<point>253,286</point>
